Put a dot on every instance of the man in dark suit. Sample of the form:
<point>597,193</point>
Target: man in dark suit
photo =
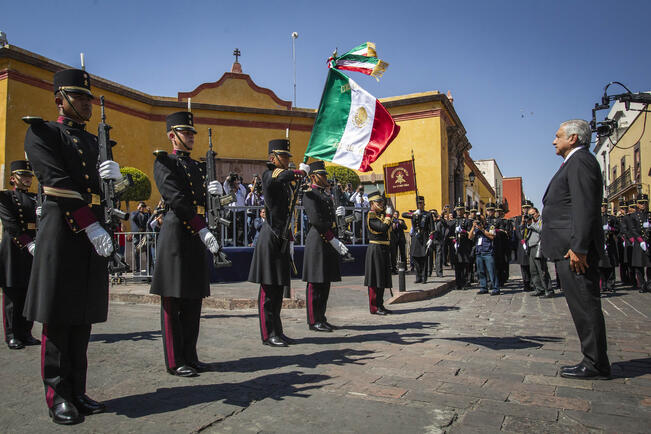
<point>572,237</point>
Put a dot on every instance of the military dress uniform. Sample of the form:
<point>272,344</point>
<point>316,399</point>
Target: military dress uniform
<point>520,244</point>
<point>270,266</point>
<point>608,256</point>
<point>462,254</point>
<point>503,234</point>
<point>638,235</point>
<point>181,272</point>
<point>68,286</point>
<point>421,223</point>
<point>320,259</point>
<point>624,268</point>
<point>377,267</point>
<point>18,214</point>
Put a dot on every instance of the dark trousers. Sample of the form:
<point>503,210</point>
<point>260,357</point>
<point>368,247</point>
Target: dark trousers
<point>421,268</point>
<point>180,319</point>
<point>625,273</point>
<point>375,299</point>
<point>540,278</point>
<point>486,271</point>
<point>430,261</point>
<point>398,247</point>
<point>438,259</point>
<point>14,323</point>
<point>270,302</point>
<point>64,362</point>
<point>606,278</point>
<point>316,302</point>
<point>584,301</point>
<point>461,274</point>
<point>639,277</point>
<point>526,277</point>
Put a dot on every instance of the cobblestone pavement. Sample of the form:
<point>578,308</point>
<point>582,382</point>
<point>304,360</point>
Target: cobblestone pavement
<point>457,363</point>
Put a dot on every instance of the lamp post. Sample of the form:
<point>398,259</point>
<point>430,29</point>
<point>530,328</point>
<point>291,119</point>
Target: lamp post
<point>294,37</point>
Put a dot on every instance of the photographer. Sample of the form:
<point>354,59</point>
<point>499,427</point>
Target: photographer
<point>234,184</point>
<point>484,255</point>
<point>398,227</point>
<point>139,220</point>
<point>537,263</point>
<point>254,198</point>
<point>439,230</point>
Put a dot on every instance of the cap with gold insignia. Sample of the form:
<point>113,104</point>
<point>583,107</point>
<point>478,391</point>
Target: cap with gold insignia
<point>643,198</point>
<point>527,203</point>
<point>490,206</point>
<point>421,199</point>
<point>21,167</point>
<point>72,81</point>
<point>460,205</point>
<point>181,121</point>
<point>375,196</point>
<point>279,146</point>
<point>318,167</point>
<point>604,203</point>
<point>632,203</point>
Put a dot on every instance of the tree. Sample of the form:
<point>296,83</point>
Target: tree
<point>344,175</point>
<point>141,188</point>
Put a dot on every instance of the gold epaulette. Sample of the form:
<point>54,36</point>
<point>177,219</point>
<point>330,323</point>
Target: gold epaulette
<point>277,172</point>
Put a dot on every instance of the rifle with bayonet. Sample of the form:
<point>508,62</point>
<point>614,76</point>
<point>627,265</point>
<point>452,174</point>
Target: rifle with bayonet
<point>109,194</point>
<point>342,221</point>
<point>215,205</point>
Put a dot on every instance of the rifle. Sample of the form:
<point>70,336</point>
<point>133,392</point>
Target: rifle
<point>342,222</point>
<point>215,204</point>
<point>109,194</point>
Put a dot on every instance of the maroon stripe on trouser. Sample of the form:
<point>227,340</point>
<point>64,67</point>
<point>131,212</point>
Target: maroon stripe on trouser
<point>310,304</point>
<point>600,285</point>
<point>372,302</point>
<point>263,323</point>
<point>169,336</point>
<point>49,393</point>
<point>4,314</point>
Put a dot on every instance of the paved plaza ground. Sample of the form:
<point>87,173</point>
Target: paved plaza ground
<point>460,362</point>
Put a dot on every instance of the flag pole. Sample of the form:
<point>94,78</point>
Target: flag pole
<point>334,54</point>
<point>413,165</point>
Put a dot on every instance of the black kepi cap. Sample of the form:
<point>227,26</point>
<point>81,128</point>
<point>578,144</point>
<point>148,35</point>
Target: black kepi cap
<point>181,121</point>
<point>420,199</point>
<point>279,146</point>
<point>375,196</point>
<point>527,203</point>
<point>643,198</point>
<point>72,81</point>
<point>318,167</point>
<point>21,167</point>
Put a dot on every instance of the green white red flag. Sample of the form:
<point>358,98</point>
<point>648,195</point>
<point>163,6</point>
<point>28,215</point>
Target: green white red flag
<point>352,128</point>
<point>362,58</point>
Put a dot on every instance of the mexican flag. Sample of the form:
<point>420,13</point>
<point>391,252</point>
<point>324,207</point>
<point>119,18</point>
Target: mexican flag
<point>352,128</point>
<point>362,58</point>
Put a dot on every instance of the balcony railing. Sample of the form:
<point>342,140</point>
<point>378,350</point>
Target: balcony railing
<point>619,184</point>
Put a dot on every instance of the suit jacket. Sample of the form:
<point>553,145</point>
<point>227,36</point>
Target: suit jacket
<point>572,212</point>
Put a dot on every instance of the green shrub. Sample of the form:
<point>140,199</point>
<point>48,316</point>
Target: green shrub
<point>344,175</point>
<point>141,188</point>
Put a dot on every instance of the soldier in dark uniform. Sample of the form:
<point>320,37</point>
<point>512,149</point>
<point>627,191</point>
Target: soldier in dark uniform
<point>638,235</point>
<point>18,214</point>
<point>398,242</point>
<point>421,238</point>
<point>520,244</point>
<point>622,222</point>
<point>439,230</point>
<point>503,233</point>
<point>377,269</point>
<point>608,257</point>
<point>181,274</point>
<point>462,247</point>
<point>270,266</point>
<point>68,286</point>
<point>322,248</point>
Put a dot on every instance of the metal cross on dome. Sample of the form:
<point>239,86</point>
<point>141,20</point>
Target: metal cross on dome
<point>237,53</point>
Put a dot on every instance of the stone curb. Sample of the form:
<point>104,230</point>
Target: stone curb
<point>409,296</point>
<point>209,302</point>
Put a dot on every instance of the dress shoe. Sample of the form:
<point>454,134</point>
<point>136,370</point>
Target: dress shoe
<point>569,368</point>
<point>424,281</point>
<point>582,372</point>
<point>320,327</point>
<point>642,290</point>
<point>287,339</point>
<point>527,289</point>
<point>275,341</point>
<point>385,310</point>
<point>87,406</point>
<point>333,327</point>
<point>538,293</point>
<point>483,291</point>
<point>183,371</point>
<point>495,292</point>
<point>549,294</point>
<point>31,340</point>
<point>65,413</point>
<point>200,366</point>
<point>419,281</point>
<point>380,312</point>
<point>15,344</point>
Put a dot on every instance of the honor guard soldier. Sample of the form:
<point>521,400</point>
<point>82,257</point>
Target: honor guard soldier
<point>503,233</point>
<point>181,273</point>
<point>273,254</point>
<point>68,287</point>
<point>608,257</point>
<point>461,255</point>
<point>638,235</point>
<point>377,269</point>
<point>322,248</point>
<point>622,241</point>
<point>520,237</point>
<point>18,214</point>
<point>421,239</point>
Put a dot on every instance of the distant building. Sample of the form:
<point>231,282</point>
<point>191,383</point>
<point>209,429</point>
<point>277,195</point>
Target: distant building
<point>478,189</point>
<point>493,175</point>
<point>514,195</point>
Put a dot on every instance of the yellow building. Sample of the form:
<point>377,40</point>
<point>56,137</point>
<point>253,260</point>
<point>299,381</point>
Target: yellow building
<point>243,117</point>
<point>630,161</point>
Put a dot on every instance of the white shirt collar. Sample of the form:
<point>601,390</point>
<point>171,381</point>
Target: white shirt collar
<point>571,153</point>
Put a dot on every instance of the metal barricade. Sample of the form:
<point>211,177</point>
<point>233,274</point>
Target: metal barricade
<point>139,251</point>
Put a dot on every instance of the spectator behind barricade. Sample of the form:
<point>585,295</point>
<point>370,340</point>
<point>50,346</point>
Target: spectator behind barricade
<point>139,220</point>
<point>253,198</point>
<point>234,184</point>
<point>485,255</point>
<point>257,225</point>
<point>359,200</point>
<point>537,263</point>
<point>397,241</point>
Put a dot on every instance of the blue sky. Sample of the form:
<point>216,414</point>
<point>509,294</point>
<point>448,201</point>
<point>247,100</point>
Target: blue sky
<point>516,69</point>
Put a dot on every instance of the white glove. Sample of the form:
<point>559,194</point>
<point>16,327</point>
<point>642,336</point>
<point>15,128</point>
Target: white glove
<point>339,246</point>
<point>340,211</point>
<point>31,247</point>
<point>100,239</point>
<point>429,244</point>
<point>417,212</point>
<point>109,169</point>
<point>215,188</point>
<point>646,225</point>
<point>304,167</point>
<point>291,249</point>
<point>209,240</point>
<point>605,227</point>
<point>39,211</point>
<point>643,246</point>
<point>388,211</point>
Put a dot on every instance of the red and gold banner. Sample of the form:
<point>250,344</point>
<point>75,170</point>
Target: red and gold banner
<point>399,178</point>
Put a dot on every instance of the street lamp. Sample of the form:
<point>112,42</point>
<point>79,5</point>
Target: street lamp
<point>471,177</point>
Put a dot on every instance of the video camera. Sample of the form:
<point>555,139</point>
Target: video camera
<point>607,127</point>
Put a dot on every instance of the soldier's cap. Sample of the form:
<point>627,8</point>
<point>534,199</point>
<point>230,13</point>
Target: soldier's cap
<point>318,167</point>
<point>643,198</point>
<point>527,203</point>
<point>279,146</point>
<point>420,199</point>
<point>632,203</point>
<point>604,203</point>
<point>375,196</point>
<point>180,121</point>
<point>21,167</point>
<point>490,206</point>
<point>72,81</point>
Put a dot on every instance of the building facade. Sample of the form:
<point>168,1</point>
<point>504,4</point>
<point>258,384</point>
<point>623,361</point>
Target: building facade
<point>493,175</point>
<point>514,195</point>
